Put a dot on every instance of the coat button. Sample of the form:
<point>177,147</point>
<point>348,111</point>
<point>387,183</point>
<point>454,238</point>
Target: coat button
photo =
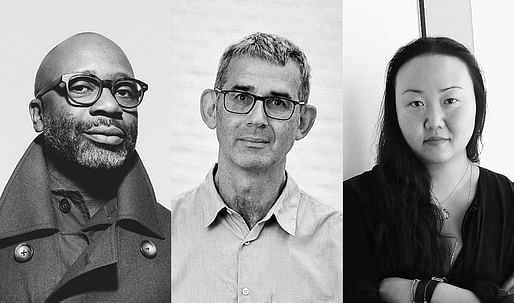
<point>23,252</point>
<point>245,291</point>
<point>148,249</point>
<point>64,205</point>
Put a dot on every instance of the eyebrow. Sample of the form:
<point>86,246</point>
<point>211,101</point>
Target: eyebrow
<point>249,88</point>
<point>245,88</point>
<point>412,91</point>
<point>451,87</point>
<point>418,91</point>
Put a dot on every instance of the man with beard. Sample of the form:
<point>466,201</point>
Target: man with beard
<point>78,218</point>
<point>248,233</point>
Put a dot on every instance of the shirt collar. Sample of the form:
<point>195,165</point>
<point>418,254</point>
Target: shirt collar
<point>210,200</point>
<point>25,204</point>
<point>285,208</point>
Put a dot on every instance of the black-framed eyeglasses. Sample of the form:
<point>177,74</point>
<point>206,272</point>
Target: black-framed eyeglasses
<point>238,102</point>
<point>84,89</point>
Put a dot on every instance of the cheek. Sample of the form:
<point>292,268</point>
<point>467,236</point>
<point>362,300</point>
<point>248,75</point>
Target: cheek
<point>463,123</point>
<point>409,124</point>
<point>285,134</point>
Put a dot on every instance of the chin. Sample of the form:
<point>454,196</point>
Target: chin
<point>439,158</point>
<point>252,162</point>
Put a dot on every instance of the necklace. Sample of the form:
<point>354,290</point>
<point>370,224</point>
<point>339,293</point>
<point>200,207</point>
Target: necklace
<point>452,257</point>
<point>453,252</point>
<point>446,211</point>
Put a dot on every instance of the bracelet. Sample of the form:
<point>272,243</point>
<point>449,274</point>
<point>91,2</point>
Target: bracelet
<point>419,296</point>
<point>412,288</point>
<point>430,287</point>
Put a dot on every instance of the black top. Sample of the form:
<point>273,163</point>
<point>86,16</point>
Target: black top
<point>485,261</point>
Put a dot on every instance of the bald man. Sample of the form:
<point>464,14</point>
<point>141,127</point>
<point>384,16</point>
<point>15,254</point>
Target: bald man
<point>78,218</point>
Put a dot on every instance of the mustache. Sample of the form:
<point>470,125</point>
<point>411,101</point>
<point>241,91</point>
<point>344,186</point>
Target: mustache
<point>82,126</point>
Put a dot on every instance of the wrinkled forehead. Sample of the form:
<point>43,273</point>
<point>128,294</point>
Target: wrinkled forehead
<point>92,53</point>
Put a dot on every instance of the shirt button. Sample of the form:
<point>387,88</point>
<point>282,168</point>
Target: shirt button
<point>148,249</point>
<point>23,253</point>
<point>245,291</point>
<point>64,205</point>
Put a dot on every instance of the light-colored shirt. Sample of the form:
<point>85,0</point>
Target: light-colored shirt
<point>294,254</point>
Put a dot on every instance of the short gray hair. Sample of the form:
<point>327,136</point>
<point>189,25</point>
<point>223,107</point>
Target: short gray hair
<point>271,48</point>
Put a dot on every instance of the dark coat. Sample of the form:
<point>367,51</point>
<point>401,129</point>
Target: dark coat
<point>111,269</point>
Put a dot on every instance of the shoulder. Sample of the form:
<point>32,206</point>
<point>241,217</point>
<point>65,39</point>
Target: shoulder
<point>184,200</point>
<point>164,214</point>
<point>489,177</point>
<point>495,186</point>
<point>360,189</point>
<point>316,214</point>
<point>362,181</point>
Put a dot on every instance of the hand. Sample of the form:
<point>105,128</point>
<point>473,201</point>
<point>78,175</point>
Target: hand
<point>395,290</point>
<point>508,285</point>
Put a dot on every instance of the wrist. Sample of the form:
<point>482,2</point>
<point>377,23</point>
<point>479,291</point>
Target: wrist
<point>424,289</point>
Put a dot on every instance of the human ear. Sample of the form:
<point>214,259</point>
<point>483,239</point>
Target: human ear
<point>208,108</point>
<point>307,117</point>
<point>35,110</point>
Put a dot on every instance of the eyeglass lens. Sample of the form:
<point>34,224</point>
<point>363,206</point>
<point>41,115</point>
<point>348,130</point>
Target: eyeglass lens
<point>275,107</point>
<point>86,90</point>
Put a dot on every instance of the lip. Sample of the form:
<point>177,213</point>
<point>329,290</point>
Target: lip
<point>109,135</point>
<point>436,140</point>
<point>254,141</point>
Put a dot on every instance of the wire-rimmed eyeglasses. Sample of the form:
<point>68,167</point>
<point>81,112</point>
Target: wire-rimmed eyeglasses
<point>84,89</point>
<point>238,102</point>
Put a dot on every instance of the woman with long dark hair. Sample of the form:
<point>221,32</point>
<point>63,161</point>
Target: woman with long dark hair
<point>427,223</point>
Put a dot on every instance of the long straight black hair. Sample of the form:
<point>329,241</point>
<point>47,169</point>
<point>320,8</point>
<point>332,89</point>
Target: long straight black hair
<point>408,234</point>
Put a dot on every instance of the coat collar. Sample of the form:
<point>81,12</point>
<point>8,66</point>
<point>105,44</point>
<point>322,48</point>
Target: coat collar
<point>25,204</point>
<point>285,208</point>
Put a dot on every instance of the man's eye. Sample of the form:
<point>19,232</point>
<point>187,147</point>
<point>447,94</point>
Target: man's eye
<point>125,92</point>
<point>81,88</point>
<point>242,97</point>
<point>278,103</point>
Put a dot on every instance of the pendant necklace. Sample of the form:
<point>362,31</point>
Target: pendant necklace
<point>446,212</point>
<point>452,257</point>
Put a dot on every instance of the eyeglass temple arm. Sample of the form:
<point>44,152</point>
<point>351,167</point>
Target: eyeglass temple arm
<point>45,89</point>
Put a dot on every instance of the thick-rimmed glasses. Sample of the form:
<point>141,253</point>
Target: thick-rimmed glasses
<point>238,102</point>
<point>84,89</point>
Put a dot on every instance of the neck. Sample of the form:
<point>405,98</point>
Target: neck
<point>251,193</point>
<point>446,176</point>
<point>97,186</point>
<point>448,170</point>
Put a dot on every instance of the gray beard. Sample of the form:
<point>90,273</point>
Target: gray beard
<point>63,136</point>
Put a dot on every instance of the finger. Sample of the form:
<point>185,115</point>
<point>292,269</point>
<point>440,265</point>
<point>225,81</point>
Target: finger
<point>509,283</point>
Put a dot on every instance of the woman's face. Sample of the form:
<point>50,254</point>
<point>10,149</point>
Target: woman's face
<point>435,105</point>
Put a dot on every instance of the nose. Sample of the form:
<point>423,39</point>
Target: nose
<point>106,105</point>
<point>257,117</point>
<point>435,117</point>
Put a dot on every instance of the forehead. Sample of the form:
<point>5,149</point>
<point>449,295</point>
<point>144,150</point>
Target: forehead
<point>433,72</point>
<point>101,57</point>
<point>263,76</point>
